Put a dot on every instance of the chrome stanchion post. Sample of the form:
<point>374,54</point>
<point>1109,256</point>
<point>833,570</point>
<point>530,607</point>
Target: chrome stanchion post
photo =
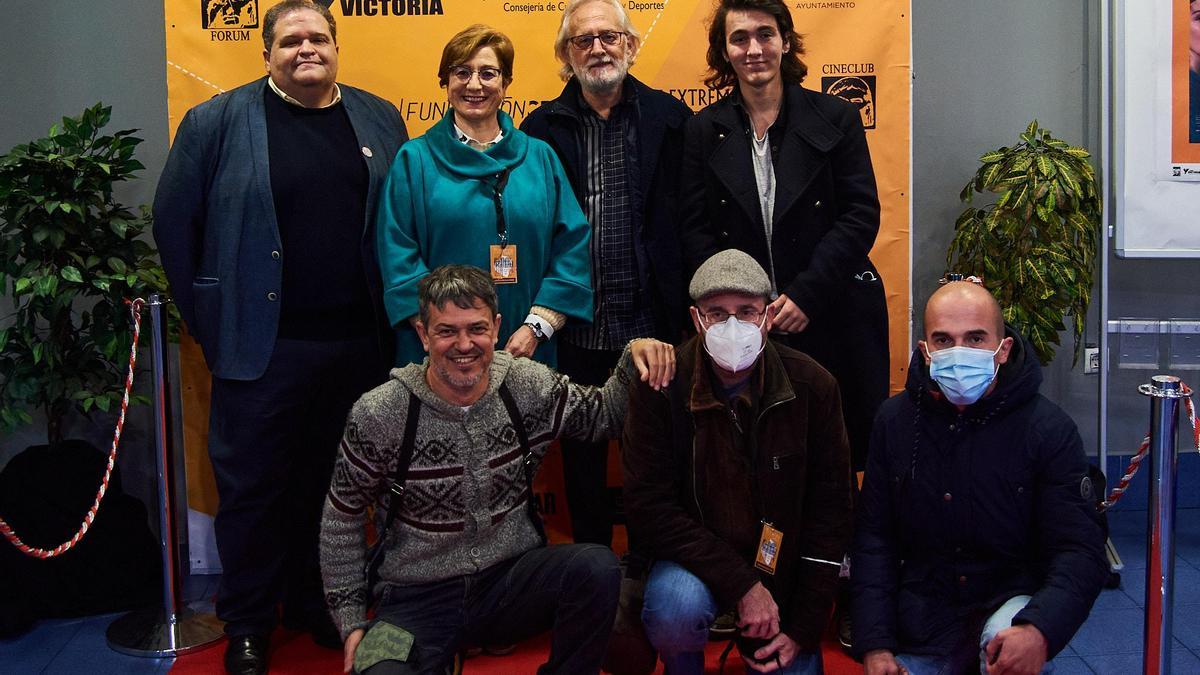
<point>173,629</point>
<point>1164,392</point>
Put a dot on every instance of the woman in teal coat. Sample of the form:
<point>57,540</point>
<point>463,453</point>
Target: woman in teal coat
<point>475,190</point>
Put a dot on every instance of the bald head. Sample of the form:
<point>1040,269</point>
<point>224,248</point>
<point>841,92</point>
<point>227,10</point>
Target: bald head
<point>964,314</point>
<point>965,296</point>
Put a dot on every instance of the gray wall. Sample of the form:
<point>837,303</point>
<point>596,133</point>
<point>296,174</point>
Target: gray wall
<point>61,58</point>
<point>982,72</point>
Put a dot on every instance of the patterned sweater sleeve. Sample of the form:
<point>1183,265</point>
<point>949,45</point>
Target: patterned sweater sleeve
<point>364,464</point>
<point>595,413</point>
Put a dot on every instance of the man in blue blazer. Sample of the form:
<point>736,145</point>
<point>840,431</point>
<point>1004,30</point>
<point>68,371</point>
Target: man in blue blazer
<point>263,219</point>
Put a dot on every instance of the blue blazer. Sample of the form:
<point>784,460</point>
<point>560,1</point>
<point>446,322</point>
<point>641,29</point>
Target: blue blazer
<point>215,226</point>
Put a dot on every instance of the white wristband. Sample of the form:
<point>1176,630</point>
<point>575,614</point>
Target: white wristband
<point>547,329</point>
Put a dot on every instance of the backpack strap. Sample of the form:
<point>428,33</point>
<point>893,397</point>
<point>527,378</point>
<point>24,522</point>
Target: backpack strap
<point>396,488</point>
<point>518,423</point>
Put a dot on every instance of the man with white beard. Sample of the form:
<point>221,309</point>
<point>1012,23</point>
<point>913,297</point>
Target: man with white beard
<point>620,143</point>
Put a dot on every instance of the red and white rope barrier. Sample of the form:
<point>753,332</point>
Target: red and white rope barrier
<point>1135,462</point>
<point>135,309</point>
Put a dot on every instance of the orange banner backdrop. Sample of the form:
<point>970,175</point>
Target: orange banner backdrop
<point>856,49</point>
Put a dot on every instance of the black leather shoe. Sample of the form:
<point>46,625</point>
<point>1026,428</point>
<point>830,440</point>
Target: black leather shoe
<point>247,654</point>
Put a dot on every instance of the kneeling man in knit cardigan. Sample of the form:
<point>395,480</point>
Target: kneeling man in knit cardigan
<point>445,452</point>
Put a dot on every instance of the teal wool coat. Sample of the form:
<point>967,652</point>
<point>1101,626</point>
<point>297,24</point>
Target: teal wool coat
<point>437,208</point>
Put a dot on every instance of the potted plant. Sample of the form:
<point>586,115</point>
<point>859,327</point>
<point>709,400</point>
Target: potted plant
<point>70,256</point>
<point>1035,243</point>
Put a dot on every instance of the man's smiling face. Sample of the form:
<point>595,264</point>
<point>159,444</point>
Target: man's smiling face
<point>461,342</point>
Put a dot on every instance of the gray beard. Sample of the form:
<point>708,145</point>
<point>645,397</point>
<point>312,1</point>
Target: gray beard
<point>602,85</point>
<point>459,381</point>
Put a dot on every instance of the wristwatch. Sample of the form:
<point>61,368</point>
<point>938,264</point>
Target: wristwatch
<point>537,332</point>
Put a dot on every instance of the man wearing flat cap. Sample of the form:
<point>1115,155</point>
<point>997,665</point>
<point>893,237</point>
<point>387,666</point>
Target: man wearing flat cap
<point>737,483</point>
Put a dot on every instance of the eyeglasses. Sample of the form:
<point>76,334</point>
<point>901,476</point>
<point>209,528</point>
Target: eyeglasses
<point>487,75</point>
<point>584,42</point>
<point>747,314</point>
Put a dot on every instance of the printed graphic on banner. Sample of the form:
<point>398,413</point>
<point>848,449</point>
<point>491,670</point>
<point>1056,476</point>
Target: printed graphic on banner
<point>857,89</point>
<point>1182,70</point>
<point>389,7</point>
<point>392,48</point>
<point>1187,56</point>
<point>228,14</point>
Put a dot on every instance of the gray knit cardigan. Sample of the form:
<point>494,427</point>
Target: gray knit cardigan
<point>465,503</point>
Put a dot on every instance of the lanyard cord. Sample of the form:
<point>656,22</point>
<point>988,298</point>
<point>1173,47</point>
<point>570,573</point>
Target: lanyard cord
<point>501,181</point>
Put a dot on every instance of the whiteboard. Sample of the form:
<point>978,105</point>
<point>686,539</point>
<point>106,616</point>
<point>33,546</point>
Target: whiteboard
<point>1156,209</point>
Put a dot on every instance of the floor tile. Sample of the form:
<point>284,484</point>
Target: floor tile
<point>33,651</point>
<point>1185,584</point>
<point>89,646</point>
<point>1110,631</point>
<point>1187,546</point>
<point>1182,661</point>
<point>1132,550</point>
<point>1186,625</point>
<point>1071,665</point>
<point>1114,598</point>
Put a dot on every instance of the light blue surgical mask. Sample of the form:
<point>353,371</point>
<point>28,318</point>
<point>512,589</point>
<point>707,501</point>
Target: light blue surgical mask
<point>963,373</point>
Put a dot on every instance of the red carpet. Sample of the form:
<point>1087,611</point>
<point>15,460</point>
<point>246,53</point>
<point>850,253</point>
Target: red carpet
<point>296,654</point>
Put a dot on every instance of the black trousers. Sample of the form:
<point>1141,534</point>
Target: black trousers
<point>859,363</point>
<point>585,465</point>
<point>571,588</point>
<point>272,442</point>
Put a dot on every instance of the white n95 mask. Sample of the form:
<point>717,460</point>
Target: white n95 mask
<point>734,345</point>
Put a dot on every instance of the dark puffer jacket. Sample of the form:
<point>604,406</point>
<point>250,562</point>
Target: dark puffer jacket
<point>961,511</point>
<point>695,494</point>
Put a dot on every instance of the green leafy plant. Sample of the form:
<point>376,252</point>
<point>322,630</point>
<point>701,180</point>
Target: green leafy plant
<point>1035,245</point>
<point>69,258</point>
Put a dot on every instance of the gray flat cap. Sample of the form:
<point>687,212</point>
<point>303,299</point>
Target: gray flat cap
<point>730,271</point>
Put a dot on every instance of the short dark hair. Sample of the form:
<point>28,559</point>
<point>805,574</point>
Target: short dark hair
<point>721,74</point>
<point>469,40</point>
<point>287,7</point>
<point>460,284</point>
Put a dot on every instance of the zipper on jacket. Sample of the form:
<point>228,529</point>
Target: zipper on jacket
<point>758,422</point>
<point>737,424</point>
<point>754,477</point>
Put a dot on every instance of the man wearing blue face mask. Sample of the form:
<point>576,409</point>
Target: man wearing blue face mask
<point>737,483</point>
<point>978,548</point>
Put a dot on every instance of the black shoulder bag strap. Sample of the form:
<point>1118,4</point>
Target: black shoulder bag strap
<point>527,463</point>
<point>399,476</point>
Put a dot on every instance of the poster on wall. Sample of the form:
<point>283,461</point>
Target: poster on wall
<point>1154,171</point>
<point>860,51</point>
<point>1181,77</point>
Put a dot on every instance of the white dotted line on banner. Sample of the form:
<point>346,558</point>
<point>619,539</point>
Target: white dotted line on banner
<point>655,22</point>
<point>185,71</point>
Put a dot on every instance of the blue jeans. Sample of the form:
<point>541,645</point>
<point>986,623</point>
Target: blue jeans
<point>677,613</point>
<point>918,664</point>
